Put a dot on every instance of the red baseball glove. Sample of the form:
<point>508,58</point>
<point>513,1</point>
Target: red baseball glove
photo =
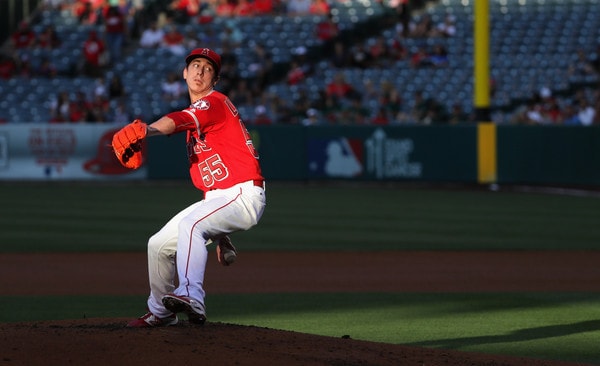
<point>127,144</point>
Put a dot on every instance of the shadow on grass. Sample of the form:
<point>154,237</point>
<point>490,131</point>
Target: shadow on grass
<point>521,335</point>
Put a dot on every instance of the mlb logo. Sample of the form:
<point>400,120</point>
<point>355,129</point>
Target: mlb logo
<point>338,157</point>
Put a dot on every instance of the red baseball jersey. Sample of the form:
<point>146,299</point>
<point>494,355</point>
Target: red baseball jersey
<point>220,149</point>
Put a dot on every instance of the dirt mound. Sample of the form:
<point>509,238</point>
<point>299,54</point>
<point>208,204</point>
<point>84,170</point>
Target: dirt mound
<point>106,341</point>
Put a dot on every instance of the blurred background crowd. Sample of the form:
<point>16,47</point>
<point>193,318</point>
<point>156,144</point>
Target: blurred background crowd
<point>310,62</point>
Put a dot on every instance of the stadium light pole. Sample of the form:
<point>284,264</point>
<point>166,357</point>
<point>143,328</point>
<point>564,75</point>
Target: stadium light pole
<point>486,129</point>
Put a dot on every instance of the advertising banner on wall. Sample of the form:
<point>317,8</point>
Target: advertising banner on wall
<point>410,153</point>
<point>61,151</point>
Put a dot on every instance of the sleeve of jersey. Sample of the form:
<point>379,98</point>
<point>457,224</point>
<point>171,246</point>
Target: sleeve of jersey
<point>183,120</point>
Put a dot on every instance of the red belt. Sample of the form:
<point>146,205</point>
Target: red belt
<point>259,183</point>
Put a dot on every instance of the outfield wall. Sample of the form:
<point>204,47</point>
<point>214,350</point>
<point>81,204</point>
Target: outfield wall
<point>551,155</point>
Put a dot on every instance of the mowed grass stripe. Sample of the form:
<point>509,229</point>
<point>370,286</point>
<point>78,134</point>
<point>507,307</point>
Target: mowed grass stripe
<point>121,216</point>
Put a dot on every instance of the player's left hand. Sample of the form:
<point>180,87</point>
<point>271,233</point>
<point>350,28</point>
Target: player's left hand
<point>127,144</point>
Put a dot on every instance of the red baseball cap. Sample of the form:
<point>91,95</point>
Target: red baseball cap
<point>207,53</point>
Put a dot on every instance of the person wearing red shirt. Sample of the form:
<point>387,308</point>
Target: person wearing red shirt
<point>263,7</point>
<point>48,38</point>
<point>93,50</point>
<point>224,165</point>
<point>115,29</point>
<point>23,38</point>
<point>319,7</point>
<point>338,88</point>
<point>173,40</point>
<point>296,74</point>
<point>243,8</point>
<point>8,66</point>
<point>185,9</point>
<point>327,29</point>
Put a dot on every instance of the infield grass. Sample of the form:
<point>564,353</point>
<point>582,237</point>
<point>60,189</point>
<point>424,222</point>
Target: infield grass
<point>120,217</point>
<point>56,217</point>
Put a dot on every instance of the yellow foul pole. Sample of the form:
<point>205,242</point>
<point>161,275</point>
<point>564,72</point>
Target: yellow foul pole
<point>486,129</point>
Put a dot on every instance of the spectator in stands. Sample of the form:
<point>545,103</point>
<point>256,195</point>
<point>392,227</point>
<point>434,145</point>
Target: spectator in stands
<point>23,38</point>
<point>570,115</point>
<point>550,108</point>
<point>183,10</point>
<point>319,7</point>
<point>79,107</point>
<point>381,118</point>
<point>208,37</point>
<point>244,8</point>
<point>327,29</point>
<point>581,65</point>
<point>354,113</point>
<point>295,74</point>
<point>116,89</point>
<point>46,68</point>
<point>436,113</point>
<point>261,116</point>
<point>172,87</point>
<point>300,104</point>
<point>85,12</point>
<point>420,58</point>
<point>403,15</point>
<point>173,41</point>
<point>298,7</point>
<point>100,109</point>
<point>389,97</point>
<point>264,7</point>
<point>48,39</point>
<point>24,67</point>
<point>281,111</point>
<point>312,118</point>
<point>100,88</point>
<point>116,30</point>
<point>8,66</point>
<point>340,57</point>
<point>423,26</point>
<point>229,69</point>
<point>438,56</point>
<point>397,49</point>
<point>360,57</point>
<point>379,52</point>
<point>59,106</point>
<point>585,112</point>
<point>533,114</point>
<point>152,36</point>
<point>232,35</point>
<point>57,118</point>
<point>120,114</point>
<point>339,88</point>
<point>446,29</point>
<point>241,94</point>
<point>224,8</point>
<point>93,52</point>
<point>328,105</point>
<point>418,109</point>
<point>260,68</point>
<point>457,115</point>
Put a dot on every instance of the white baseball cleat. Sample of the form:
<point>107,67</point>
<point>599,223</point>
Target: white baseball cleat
<point>183,304</point>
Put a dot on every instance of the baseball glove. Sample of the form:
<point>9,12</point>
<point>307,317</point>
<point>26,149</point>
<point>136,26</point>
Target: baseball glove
<point>127,144</point>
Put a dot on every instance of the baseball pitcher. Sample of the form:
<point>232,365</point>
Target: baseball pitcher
<point>224,165</point>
